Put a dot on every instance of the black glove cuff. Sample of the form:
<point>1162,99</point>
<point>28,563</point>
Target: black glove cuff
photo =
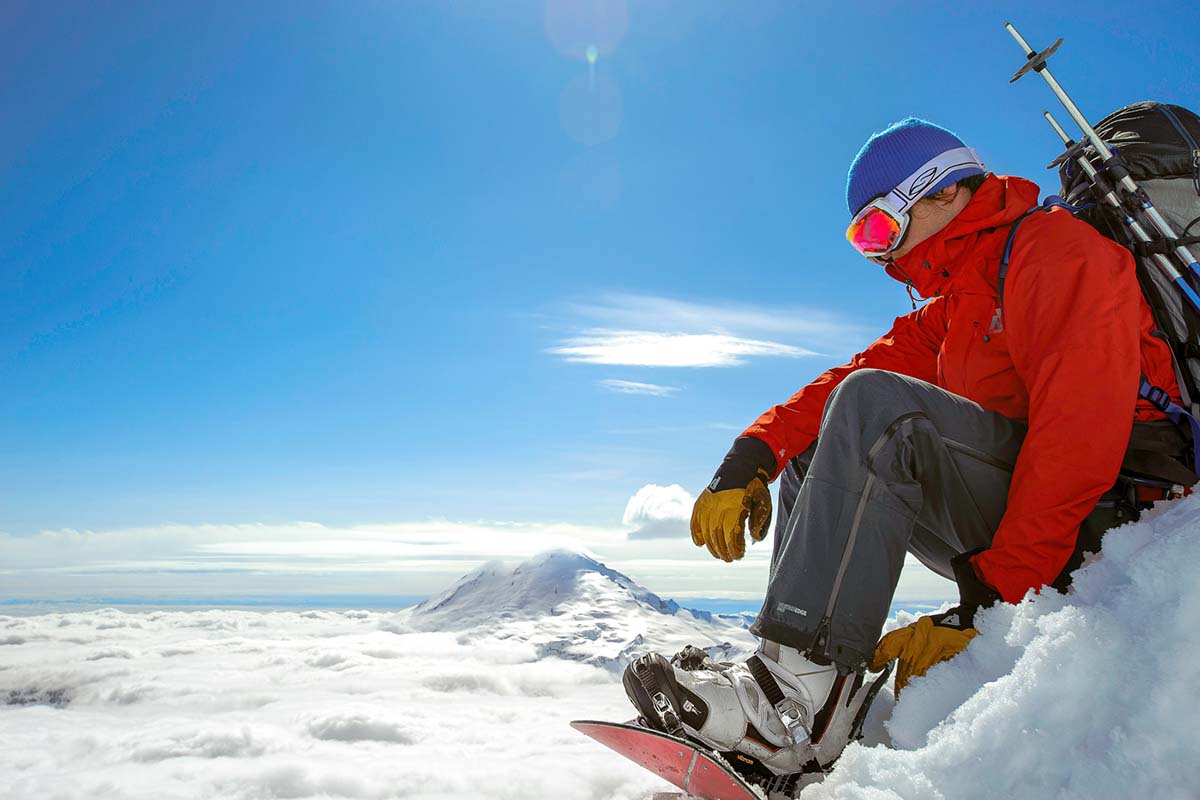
<point>971,590</point>
<point>960,617</point>
<point>742,463</point>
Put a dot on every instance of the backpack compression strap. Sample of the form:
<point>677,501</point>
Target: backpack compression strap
<point>1174,412</point>
<point>1146,390</point>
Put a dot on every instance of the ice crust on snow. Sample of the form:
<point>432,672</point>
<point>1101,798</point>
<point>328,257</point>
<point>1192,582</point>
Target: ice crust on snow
<point>571,606</point>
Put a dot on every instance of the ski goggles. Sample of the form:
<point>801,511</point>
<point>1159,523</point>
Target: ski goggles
<point>882,224</point>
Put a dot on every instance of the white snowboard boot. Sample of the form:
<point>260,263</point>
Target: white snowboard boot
<point>777,709</point>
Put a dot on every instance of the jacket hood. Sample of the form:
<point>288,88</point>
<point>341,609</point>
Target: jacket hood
<point>929,266</point>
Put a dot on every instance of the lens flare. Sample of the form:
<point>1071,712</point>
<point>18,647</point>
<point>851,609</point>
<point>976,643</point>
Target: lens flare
<point>579,28</point>
<point>590,109</point>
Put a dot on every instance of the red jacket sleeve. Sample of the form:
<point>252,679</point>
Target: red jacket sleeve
<point>1073,334</point>
<point>910,348</point>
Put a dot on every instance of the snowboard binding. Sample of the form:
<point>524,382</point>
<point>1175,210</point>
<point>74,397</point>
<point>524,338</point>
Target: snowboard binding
<point>666,706</point>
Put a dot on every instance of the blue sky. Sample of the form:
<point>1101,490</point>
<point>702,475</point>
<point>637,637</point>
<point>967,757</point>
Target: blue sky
<point>347,263</point>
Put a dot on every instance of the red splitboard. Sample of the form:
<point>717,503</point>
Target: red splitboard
<point>678,761</point>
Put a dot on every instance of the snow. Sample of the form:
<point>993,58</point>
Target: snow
<point>1089,695</point>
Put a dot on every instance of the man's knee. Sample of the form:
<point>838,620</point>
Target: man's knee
<point>869,393</point>
<point>870,383</point>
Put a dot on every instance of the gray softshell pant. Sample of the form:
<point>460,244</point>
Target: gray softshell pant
<point>899,466</point>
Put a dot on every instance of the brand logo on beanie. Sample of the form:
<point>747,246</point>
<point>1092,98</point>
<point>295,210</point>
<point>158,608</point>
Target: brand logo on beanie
<point>921,181</point>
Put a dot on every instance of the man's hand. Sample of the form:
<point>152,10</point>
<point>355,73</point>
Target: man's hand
<point>940,637</point>
<point>928,641</point>
<point>738,493</point>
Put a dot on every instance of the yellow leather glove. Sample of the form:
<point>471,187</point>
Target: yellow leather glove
<point>928,641</point>
<point>737,494</point>
<point>719,518</point>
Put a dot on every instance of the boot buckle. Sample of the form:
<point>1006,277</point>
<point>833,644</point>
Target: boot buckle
<point>666,712</point>
<point>792,715</point>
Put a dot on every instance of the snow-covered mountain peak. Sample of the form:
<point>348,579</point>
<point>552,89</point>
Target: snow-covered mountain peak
<point>546,584</point>
<point>569,604</point>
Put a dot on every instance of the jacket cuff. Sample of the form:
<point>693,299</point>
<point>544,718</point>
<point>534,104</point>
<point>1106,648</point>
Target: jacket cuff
<point>972,590</point>
<point>742,463</point>
<point>753,451</point>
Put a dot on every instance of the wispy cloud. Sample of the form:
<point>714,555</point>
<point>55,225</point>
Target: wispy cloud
<point>818,328</point>
<point>652,349</point>
<point>648,331</point>
<point>634,387</point>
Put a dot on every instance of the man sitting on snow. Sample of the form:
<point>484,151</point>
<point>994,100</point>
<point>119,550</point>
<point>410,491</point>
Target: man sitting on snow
<point>983,437</point>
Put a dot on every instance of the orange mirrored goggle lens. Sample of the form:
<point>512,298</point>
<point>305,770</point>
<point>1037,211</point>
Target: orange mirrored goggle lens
<point>874,233</point>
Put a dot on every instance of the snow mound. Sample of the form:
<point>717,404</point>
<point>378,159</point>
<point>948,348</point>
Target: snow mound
<point>1087,695</point>
<point>568,605</point>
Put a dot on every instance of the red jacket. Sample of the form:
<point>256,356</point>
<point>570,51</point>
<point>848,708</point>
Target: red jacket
<point>1075,333</point>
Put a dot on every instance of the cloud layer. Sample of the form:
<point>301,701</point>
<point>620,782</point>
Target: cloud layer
<point>228,704</point>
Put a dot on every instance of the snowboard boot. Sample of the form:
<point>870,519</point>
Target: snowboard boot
<point>777,709</point>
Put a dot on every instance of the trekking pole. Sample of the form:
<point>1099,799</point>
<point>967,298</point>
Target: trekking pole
<point>1037,63</point>
<point>1105,189</point>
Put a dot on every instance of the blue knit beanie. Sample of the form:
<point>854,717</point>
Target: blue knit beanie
<point>896,152</point>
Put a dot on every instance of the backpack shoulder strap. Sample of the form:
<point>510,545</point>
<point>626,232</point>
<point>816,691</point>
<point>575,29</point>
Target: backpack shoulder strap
<point>1007,256</point>
<point>1050,202</point>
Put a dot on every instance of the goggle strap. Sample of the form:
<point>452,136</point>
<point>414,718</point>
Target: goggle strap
<point>914,187</point>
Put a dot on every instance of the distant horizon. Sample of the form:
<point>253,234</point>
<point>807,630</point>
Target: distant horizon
<point>376,603</point>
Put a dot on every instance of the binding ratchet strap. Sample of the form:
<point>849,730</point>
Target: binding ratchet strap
<point>662,704</point>
<point>1174,412</point>
<point>788,710</point>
